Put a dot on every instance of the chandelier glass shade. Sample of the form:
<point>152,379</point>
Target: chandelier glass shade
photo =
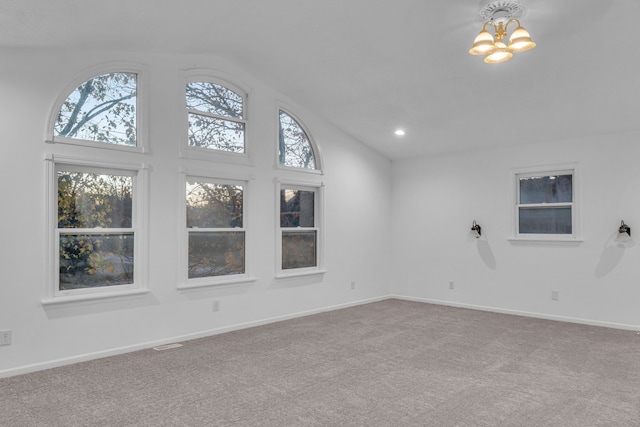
<point>493,47</point>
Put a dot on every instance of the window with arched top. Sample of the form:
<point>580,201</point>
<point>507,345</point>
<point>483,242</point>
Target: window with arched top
<point>216,117</point>
<point>97,205</point>
<point>103,109</point>
<point>295,149</point>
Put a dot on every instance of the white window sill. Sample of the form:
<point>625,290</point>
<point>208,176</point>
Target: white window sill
<point>294,169</point>
<point>547,240</point>
<point>210,283</point>
<point>92,297</point>
<point>290,274</point>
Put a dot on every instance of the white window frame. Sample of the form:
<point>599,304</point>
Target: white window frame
<point>142,107</point>
<point>199,153</point>
<point>562,169</point>
<point>316,149</point>
<point>318,189</point>
<point>140,208</point>
<point>184,283</point>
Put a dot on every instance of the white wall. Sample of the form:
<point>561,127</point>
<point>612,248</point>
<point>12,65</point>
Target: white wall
<point>435,200</point>
<point>357,191</point>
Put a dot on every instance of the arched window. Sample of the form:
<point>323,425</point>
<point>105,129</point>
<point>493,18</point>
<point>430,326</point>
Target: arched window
<point>295,149</point>
<point>102,109</point>
<point>216,116</point>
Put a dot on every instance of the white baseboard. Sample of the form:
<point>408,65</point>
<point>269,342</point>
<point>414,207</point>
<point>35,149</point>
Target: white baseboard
<point>216,331</point>
<point>521,313</point>
<point>202,334</point>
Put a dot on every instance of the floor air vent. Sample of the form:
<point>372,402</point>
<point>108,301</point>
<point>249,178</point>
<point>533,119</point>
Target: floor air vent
<point>167,346</point>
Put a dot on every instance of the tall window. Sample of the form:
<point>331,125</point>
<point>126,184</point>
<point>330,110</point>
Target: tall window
<point>545,204</point>
<point>216,117</point>
<point>215,228</point>
<point>102,109</point>
<point>299,228</point>
<point>294,146</point>
<point>96,237</point>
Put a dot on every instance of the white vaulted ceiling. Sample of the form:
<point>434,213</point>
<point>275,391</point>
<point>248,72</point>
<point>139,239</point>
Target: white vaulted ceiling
<point>369,66</point>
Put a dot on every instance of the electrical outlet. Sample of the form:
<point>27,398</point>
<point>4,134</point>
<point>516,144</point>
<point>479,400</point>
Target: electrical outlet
<point>451,285</point>
<point>353,285</point>
<point>555,295</point>
<point>215,306</point>
<point>5,337</point>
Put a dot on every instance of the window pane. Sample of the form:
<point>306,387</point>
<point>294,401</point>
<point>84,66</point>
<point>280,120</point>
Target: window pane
<point>294,147</point>
<point>88,200</point>
<point>89,261</point>
<point>545,220</point>
<point>297,208</point>
<point>216,134</point>
<point>298,249</point>
<point>214,99</point>
<point>212,205</point>
<point>216,253</point>
<point>102,109</point>
<point>546,189</point>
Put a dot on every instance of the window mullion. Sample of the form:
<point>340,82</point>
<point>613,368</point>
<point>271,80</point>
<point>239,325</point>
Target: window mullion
<point>215,230</point>
<point>216,116</point>
<point>545,205</point>
<point>96,230</point>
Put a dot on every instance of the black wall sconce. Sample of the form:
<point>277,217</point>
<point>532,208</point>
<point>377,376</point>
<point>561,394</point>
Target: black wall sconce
<point>476,230</point>
<point>624,233</point>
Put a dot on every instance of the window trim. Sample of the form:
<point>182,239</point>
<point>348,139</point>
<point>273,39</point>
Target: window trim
<point>142,107</point>
<point>139,227</point>
<point>199,153</point>
<point>318,189</point>
<point>559,169</point>
<point>184,283</point>
<point>317,154</point>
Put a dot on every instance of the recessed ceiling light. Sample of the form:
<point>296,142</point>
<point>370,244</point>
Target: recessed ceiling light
<point>399,132</point>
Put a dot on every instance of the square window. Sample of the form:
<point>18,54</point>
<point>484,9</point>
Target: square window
<point>555,220</point>
<point>96,260</point>
<point>299,249</point>
<point>297,208</point>
<point>215,253</point>
<point>545,205</point>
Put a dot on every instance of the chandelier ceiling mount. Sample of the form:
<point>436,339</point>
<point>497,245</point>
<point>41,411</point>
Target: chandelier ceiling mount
<point>501,10</point>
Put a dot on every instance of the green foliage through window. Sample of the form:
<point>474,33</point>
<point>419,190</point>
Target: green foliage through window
<point>102,109</point>
<point>294,147</point>
<point>215,117</point>
<point>94,223</point>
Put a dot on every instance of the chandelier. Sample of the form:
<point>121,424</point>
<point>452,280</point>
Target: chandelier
<point>500,15</point>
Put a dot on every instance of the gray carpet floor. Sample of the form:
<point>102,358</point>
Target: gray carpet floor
<point>391,363</point>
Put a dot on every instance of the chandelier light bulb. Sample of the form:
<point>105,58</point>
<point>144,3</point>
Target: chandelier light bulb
<point>520,40</point>
<point>500,55</point>
<point>484,44</point>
